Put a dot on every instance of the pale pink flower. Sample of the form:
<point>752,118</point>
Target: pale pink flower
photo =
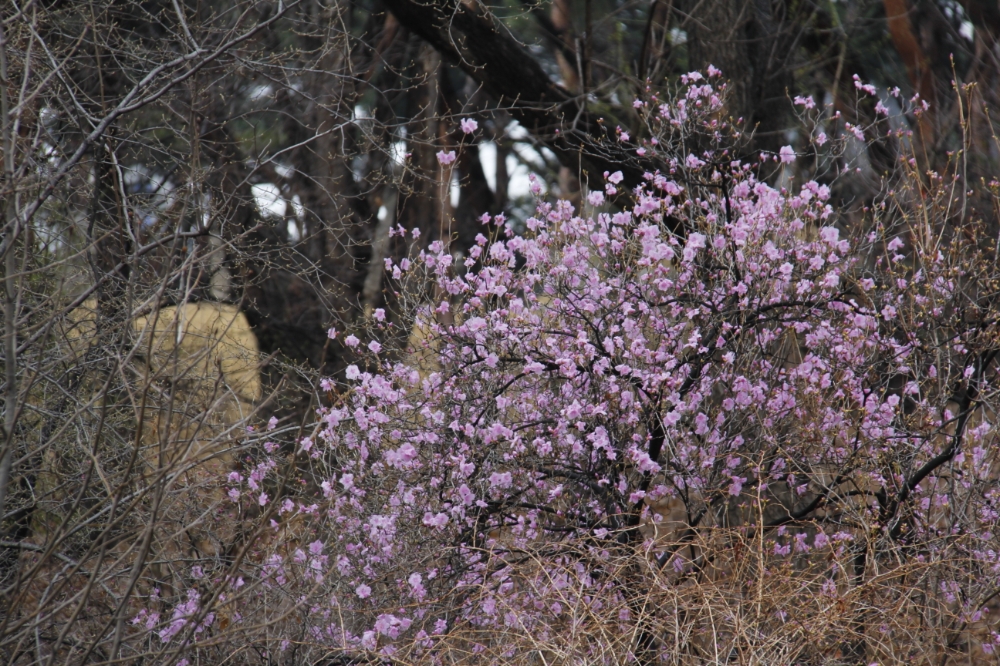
<point>807,102</point>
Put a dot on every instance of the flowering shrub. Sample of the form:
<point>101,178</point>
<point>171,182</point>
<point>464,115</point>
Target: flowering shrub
<point>710,424</point>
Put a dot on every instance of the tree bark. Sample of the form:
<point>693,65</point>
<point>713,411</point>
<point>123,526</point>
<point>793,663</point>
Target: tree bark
<point>469,36</point>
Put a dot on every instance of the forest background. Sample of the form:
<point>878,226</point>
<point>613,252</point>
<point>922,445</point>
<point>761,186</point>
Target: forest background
<point>202,202</point>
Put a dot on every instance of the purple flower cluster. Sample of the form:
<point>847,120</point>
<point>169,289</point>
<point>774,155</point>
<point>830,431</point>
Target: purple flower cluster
<point>753,360</point>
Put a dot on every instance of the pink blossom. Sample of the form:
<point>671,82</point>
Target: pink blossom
<point>500,480</point>
<point>693,162</point>
<point>866,87</point>
<point>575,376</point>
<point>468,127</point>
<point>533,185</point>
<point>438,520</point>
<point>830,235</point>
<point>445,158</point>
<point>694,243</point>
<point>736,487</point>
